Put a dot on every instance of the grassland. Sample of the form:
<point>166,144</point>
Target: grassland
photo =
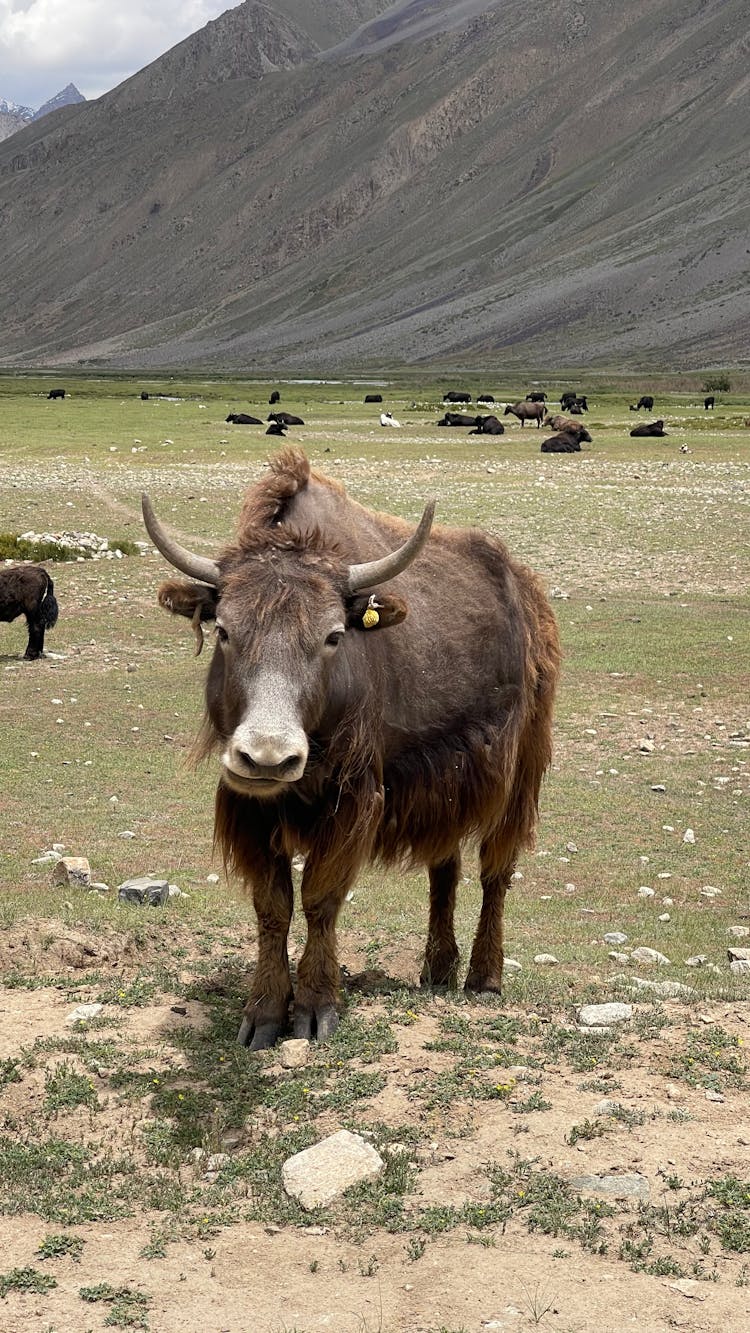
<point>491,1108</point>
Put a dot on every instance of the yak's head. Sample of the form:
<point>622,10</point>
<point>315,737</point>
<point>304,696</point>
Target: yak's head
<point>283,602</point>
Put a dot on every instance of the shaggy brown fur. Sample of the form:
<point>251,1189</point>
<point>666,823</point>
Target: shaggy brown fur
<point>28,590</point>
<point>436,730</point>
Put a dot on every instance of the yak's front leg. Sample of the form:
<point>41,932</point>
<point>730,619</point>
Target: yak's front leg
<point>440,967</point>
<point>266,1011</point>
<point>324,888</point>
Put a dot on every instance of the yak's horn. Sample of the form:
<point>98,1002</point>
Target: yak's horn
<point>196,566</point>
<point>380,571</point>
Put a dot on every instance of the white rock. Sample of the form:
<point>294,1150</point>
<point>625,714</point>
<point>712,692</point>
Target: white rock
<point>294,1053</point>
<point>317,1175</point>
<point>645,892</point>
<point>545,959</point>
<point>740,967</point>
<point>601,1015</point>
<point>697,960</point>
<point>212,879</point>
<point>615,937</point>
<point>618,957</point>
<point>664,916</point>
<point>688,836</point>
<point>83,1013</point>
<point>645,955</point>
<point>512,965</point>
<point>708,891</point>
<point>666,990</point>
<point>738,932</point>
<point>646,746</point>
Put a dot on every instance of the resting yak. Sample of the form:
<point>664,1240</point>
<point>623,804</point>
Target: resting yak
<point>243,419</point>
<point>285,419</point>
<point>28,590</point>
<point>653,428</point>
<point>567,426</point>
<point>459,419</point>
<point>565,442</point>
<point>488,426</point>
<point>374,693</point>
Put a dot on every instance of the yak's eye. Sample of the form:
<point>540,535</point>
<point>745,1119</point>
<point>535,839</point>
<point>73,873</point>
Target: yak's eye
<point>334,638</point>
<point>221,634</point>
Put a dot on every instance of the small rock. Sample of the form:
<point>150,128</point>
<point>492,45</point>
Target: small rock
<point>618,957</point>
<point>615,937</point>
<point>216,1161</point>
<point>646,745</point>
<point>72,870</point>
<point>658,786</point>
<point>98,886</point>
<point>212,879</point>
<point>144,890</point>
<point>512,965</point>
<point>740,967</point>
<point>712,1096</point>
<point>545,959</point>
<point>708,891</point>
<point>645,955</point>
<point>688,836</point>
<point>126,833</point>
<point>294,1054</point>
<point>737,955</point>
<point>601,1015</point>
<point>697,960</point>
<point>738,932</point>
<point>83,1013</point>
<point>645,892</point>
<point>317,1175</point>
<point>690,1287</point>
<point>666,990</point>
<point>664,916</point>
<point>615,1187</point>
<point>607,1107</point>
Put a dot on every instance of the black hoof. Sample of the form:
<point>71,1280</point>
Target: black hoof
<point>258,1037</point>
<point>312,1023</point>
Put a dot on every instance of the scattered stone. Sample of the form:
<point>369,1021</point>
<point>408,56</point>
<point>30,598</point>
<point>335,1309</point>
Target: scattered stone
<point>601,1015</point>
<point>666,990</point>
<point>688,836</point>
<point>83,1013</point>
<point>740,967</point>
<point>545,959</point>
<point>713,1096</point>
<point>512,965</point>
<point>664,916</point>
<point>98,886</point>
<point>708,891</point>
<point>646,746</point>
<point>645,955</point>
<point>645,892</point>
<point>72,870</point>
<point>737,955</point>
<point>607,1107</point>
<point>697,960</point>
<point>319,1174</point>
<point>46,859</point>
<point>738,932</point>
<point>690,1287</point>
<point>174,892</point>
<point>618,957</point>
<point>667,902</point>
<point>126,833</point>
<point>145,891</point>
<point>615,937</point>
<point>295,1053</point>
<point>212,879</point>
<point>216,1161</point>
<point>571,847</point>
<point>658,786</point>
<point>615,1187</point>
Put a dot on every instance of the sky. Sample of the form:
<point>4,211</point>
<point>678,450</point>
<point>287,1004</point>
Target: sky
<point>95,44</point>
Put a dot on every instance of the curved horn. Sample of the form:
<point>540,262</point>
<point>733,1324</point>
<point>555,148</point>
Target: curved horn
<point>380,571</point>
<point>197,566</point>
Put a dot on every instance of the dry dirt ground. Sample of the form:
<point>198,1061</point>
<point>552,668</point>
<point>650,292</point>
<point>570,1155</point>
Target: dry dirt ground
<point>491,1111</point>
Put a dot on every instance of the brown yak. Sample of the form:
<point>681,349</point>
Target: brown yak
<point>526,412</point>
<point>28,590</point>
<point>349,730</point>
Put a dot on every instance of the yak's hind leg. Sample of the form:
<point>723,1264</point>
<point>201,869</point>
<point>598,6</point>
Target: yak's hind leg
<point>266,1011</point>
<point>440,967</point>
<point>497,861</point>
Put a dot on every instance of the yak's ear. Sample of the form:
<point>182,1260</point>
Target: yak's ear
<point>196,601</point>
<point>378,611</point>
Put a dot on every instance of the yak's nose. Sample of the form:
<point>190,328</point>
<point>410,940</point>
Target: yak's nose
<point>279,757</point>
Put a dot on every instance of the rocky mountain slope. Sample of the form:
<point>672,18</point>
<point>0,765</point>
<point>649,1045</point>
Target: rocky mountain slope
<point>68,96</point>
<point>331,185</point>
<point>13,117</point>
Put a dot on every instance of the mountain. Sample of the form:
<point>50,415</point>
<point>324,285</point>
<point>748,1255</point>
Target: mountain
<point>332,185</point>
<point>68,97</point>
<point>13,117</point>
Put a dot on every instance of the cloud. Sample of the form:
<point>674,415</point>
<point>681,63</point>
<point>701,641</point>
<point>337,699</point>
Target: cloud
<point>46,44</point>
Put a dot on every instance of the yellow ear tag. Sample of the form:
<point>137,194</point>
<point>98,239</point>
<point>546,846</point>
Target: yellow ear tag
<point>371,618</point>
